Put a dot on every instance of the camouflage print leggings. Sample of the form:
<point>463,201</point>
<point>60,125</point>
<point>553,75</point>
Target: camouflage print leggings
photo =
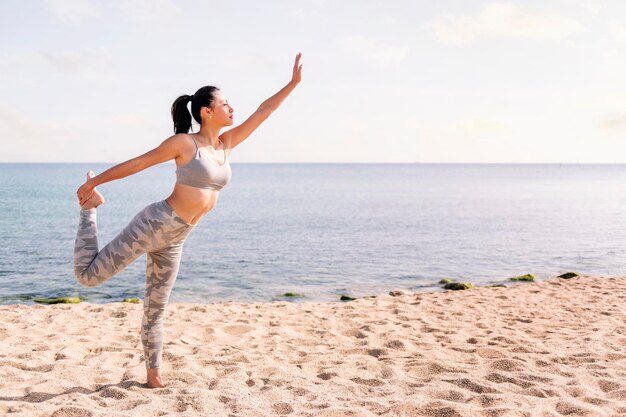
<point>156,230</point>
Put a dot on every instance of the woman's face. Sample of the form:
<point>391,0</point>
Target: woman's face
<point>221,111</point>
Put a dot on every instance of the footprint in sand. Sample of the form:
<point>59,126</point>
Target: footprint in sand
<point>26,355</point>
<point>237,329</point>
<point>567,409</point>
<point>113,392</point>
<point>106,349</point>
<point>369,382</point>
<point>163,391</point>
<point>429,369</point>
<point>72,412</point>
<point>618,395</point>
<point>472,386</point>
<point>282,408</point>
<point>374,407</point>
<point>224,399</point>
<point>502,379</point>
<point>488,353</point>
<point>450,395</point>
<point>299,392</point>
<point>395,344</point>
<point>608,386</point>
<point>193,336</point>
<point>129,405</point>
<point>326,375</point>
<point>24,367</point>
<point>377,353</point>
<point>355,333</point>
<point>184,377</point>
<point>508,365</point>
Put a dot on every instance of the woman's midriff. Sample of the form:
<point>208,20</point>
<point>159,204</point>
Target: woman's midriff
<point>191,203</point>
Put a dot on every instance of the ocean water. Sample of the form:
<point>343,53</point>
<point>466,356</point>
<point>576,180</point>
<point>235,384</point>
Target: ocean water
<point>326,229</point>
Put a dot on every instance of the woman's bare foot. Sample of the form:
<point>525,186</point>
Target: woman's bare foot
<point>154,378</point>
<point>96,198</point>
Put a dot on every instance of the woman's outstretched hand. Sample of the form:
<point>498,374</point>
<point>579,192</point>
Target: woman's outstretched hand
<point>297,69</point>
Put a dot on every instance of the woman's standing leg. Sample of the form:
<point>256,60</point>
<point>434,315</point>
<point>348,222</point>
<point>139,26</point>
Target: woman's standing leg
<point>161,273</point>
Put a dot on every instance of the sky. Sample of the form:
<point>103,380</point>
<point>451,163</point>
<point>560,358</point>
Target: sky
<point>383,81</point>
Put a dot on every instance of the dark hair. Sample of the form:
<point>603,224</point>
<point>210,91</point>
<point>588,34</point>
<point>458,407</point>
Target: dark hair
<point>182,119</point>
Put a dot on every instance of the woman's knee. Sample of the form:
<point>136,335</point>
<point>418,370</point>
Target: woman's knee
<point>85,280</point>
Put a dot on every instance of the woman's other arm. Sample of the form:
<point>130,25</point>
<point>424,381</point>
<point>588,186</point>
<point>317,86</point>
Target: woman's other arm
<point>167,150</point>
<point>236,135</point>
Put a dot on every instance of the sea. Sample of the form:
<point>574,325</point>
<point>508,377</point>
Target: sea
<point>325,230</point>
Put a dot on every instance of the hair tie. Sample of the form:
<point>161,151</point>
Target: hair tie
<point>191,97</point>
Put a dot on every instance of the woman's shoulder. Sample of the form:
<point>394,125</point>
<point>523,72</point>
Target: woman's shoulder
<point>179,144</point>
<point>183,140</point>
<point>186,137</point>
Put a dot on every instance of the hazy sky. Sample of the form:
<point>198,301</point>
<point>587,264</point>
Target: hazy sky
<point>383,81</point>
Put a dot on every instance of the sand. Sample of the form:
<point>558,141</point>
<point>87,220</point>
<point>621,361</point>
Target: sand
<point>552,348</point>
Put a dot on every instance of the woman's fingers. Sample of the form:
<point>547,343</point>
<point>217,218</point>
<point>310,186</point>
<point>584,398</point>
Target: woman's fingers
<point>83,194</point>
<point>84,199</point>
<point>297,68</point>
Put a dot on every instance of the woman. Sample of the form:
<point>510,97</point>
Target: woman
<point>160,229</point>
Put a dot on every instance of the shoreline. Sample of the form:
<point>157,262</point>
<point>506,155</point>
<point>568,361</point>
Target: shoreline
<point>293,296</point>
<point>553,347</point>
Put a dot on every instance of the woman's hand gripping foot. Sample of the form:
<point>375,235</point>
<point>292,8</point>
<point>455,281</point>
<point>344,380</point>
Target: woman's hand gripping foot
<point>88,196</point>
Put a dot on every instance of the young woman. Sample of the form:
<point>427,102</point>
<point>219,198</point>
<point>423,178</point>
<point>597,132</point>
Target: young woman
<point>160,229</point>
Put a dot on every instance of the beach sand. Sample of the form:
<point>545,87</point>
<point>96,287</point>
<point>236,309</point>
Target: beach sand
<point>552,348</point>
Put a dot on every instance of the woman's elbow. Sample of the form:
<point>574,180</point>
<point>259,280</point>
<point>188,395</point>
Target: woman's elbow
<point>264,112</point>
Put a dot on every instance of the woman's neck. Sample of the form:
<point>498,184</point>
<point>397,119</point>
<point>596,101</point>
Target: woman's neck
<point>210,136</point>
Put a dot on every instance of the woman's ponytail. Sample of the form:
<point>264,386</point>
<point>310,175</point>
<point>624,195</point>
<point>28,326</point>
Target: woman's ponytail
<point>180,114</point>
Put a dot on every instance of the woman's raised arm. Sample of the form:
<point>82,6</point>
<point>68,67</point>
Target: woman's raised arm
<point>236,135</point>
<point>167,150</point>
